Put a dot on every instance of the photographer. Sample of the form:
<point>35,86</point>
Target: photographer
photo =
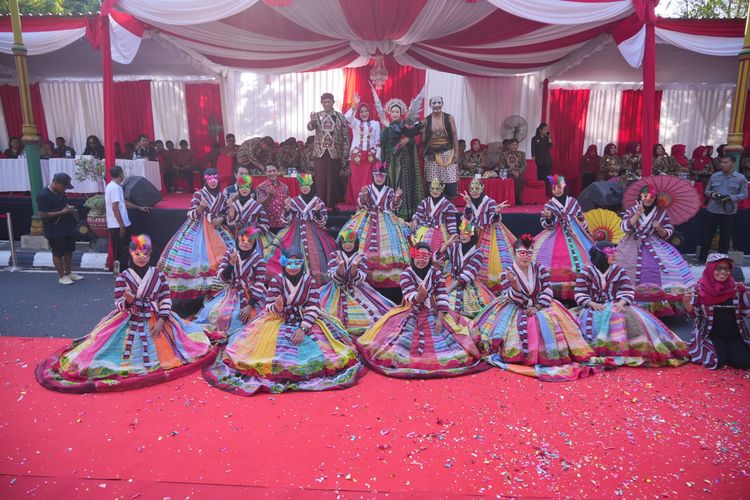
<point>725,189</point>
<point>58,218</point>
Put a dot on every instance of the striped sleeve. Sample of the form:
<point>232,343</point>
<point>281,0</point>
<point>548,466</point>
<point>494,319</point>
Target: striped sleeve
<point>163,296</point>
<point>289,215</point>
<point>544,298</point>
<point>544,221</point>
<point>442,257</point>
<point>195,202</point>
<point>451,221</point>
<point>258,288</point>
<point>232,220</point>
<point>440,294</point>
<point>321,217</point>
<point>408,287</point>
<point>120,286</point>
<point>361,272</point>
<point>419,215</point>
<point>224,272</point>
<point>666,224</point>
<point>312,308</point>
<point>582,292</point>
<point>333,268</point>
<point>744,302</point>
<point>274,291</point>
<point>471,269</point>
<point>628,219</point>
<point>625,289</point>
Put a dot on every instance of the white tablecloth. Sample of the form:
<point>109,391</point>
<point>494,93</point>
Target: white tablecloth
<point>14,174</point>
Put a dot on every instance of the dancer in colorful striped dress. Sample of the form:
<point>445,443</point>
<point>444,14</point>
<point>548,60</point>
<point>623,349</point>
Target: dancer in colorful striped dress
<point>243,210</point>
<point>422,337</point>
<point>348,296</point>
<point>615,327</point>
<point>720,306</point>
<point>243,271</point>
<point>293,346</point>
<point>381,234</point>
<point>306,217</point>
<point>563,245</point>
<point>495,240</point>
<point>527,331</point>
<point>191,258</point>
<point>142,342</point>
<point>435,219</point>
<point>467,295</point>
<point>656,269</point>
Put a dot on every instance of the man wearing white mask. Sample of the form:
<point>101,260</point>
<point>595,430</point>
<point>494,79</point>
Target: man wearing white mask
<point>440,139</point>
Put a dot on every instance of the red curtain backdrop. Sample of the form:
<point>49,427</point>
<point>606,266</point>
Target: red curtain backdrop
<point>205,122</point>
<point>568,112</point>
<point>403,82</point>
<point>631,119</point>
<point>11,101</point>
<point>133,116</point>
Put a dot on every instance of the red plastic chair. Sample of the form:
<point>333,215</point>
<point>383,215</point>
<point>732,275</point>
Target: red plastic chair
<point>224,165</point>
<point>534,192</point>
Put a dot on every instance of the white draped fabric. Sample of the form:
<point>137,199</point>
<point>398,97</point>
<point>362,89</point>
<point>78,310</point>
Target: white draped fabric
<point>168,110</point>
<point>73,110</point>
<point>3,130</point>
<point>695,116</point>
<point>603,118</point>
<point>567,12</point>
<point>709,45</point>
<point>255,104</point>
<point>480,105</point>
<point>184,12</point>
<point>42,42</point>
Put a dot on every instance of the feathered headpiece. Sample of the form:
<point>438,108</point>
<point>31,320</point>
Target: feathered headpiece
<point>245,181</point>
<point>380,168</point>
<point>527,241</point>
<point>437,184</point>
<point>140,245</point>
<point>467,227</point>
<point>649,190</point>
<point>476,184</point>
<point>305,180</point>
<point>248,234</point>
<point>348,236</point>
<point>556,180</point>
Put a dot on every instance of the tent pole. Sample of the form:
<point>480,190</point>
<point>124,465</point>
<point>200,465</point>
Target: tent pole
<point>734,141</point>
<point>649,89</point>
<point>107,88</point>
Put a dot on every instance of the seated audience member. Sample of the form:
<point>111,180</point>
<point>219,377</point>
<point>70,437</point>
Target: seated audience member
<point>515,161</point>
<point>590,163</point>
<point>63,151</point>
<point>286,155</point>
<point>183,164</point>
<point>143,149</point>
<point>231,145</point>
<point>611,163</point>
<point>272,194</point>
<point>213,156</point>
<point>47,150</point>
<point>474,160</point>
<point>94,148</point>
<point>306,154</point>
<point>717,160</point>
<point>129,153</point>
<point>15,148</point>
<point>678,154</point>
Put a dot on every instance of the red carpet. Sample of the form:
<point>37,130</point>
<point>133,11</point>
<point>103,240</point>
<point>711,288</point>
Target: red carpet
<point>633,432</point>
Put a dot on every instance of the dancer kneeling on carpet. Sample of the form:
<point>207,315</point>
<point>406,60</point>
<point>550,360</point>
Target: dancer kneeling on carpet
<point>563,245</point>
<point>244,272</point>
<point>422,337</point>
<point>381,234</point>
<point>348,296</point>
<point>721,307</point>
<point>528,332</point>
<point>435,219</point>
<point>495,240</point>
<point>191,258</point>
<point>656,269</point>
<point>141,342</point>
<point>306,216</point>
<point>612,325</point>
<point>467,295</point>
<point>293,346</point>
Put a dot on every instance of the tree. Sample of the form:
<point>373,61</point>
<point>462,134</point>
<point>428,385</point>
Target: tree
<point>712,9</point>
<point>55,7</point>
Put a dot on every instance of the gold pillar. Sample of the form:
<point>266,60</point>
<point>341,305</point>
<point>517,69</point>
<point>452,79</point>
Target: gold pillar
<point>734,141</point>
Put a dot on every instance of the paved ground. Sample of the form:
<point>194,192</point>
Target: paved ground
<point>34,305</point>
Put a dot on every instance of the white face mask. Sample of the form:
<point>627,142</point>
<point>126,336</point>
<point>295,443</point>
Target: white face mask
<point>436,104</point>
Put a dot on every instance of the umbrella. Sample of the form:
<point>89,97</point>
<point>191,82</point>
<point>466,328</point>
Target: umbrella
<point>604,225</point>
<point>600,195</point>
<point>677,196</point>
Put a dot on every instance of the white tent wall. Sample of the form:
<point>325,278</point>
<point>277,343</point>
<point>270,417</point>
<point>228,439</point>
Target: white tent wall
<point>3,130</point>
<point>695,116</point>
<point>169,111</point>
<point>73,110</point>
<point>603,121</point>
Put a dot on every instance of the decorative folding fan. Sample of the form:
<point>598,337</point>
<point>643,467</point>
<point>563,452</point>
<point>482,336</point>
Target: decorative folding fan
<point>604,225</point>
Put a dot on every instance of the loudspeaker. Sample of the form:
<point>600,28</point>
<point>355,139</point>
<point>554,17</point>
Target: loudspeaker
<point>140,191</point>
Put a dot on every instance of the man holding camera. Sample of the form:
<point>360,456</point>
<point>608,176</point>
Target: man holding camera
<point>725,189</point>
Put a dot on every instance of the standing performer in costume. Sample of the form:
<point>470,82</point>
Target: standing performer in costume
<point>563,245</point>
<point>348,297</point>
<point>720,306</point>
<point>243,210</point>
<point>528,332</point>
<point>422,337</point>
<point>191,258</point>
<point>435,219</point>
<point>656,269</point>
<point>142,342</point>
<point>440,139</point>
<point>381,234</point>
<point>615,327</point>
<point>365,148</point>
<point>293,346</point>
<point>331,150</point>
<point>306,217</point>
<point>243,271</point>
<point>467,295</point>
<point>495,240</point>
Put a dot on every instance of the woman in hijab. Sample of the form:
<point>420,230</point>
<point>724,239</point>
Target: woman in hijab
<point>631,162</point>
<point>590,163</point>
<point>191,258</point>
<point>142,342</point>
<point>475,159</point>
<point>435,219</point>
<point>611,164</point>
<point>719,306</point>
<point>701,167</point>
<point>365,147</point>
<point>422,337</point>
<point>292,346</point>
<point>612,324</point>
<point>682,162</point>
<point>663,164</point>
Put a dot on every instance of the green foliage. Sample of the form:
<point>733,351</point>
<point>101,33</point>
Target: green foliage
<point>712,9</point>
<point>95,204</point>
<point>59,7</point>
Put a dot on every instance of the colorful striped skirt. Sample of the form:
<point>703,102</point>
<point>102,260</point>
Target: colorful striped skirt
<point>316,246</point>
<point>564,251</point>
<point>496,245</point>
<point>220,316</point>
<point>357,307</point>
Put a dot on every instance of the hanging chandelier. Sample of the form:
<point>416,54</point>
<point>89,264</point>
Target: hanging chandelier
<point>378,73</point>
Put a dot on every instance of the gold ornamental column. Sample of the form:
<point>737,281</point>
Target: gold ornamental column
<point>734,141</point>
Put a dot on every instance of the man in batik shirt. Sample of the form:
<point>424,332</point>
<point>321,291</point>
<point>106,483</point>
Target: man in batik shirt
<point>515,161</point>
<point>330,151</point>
<point>255,154</point>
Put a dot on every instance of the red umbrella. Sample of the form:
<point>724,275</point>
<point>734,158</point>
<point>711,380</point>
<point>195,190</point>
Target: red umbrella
<point>677,196</point>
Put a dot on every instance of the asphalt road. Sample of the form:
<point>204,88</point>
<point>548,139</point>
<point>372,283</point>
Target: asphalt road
<point>34,305</point>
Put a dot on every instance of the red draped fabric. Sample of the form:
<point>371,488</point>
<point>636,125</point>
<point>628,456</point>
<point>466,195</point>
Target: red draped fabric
<point>205,122</point>
<point>393,19</point>
<point>631,119</point>
<point>403,82</point>
<point>10,98</point>
<point>568,112</point>
<point>132,103</point>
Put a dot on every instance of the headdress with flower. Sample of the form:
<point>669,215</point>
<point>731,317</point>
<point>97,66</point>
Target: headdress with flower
<point>140,245</point>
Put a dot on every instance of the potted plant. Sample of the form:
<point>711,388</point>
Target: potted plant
<point>91,169</point>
